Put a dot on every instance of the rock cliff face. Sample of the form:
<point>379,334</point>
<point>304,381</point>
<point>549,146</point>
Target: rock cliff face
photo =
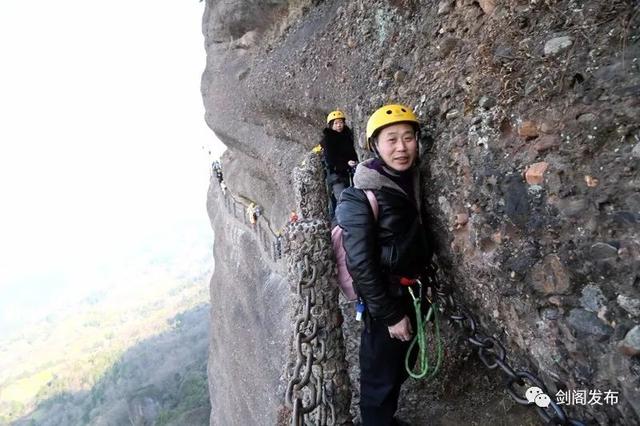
<point>530,163</point>
<point>250,324</point>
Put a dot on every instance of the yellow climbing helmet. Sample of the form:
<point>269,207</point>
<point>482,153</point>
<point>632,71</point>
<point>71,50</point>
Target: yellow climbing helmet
<point>335,114</point>
<point>388,114</point>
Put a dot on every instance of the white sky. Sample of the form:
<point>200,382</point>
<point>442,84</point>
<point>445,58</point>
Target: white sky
<point>101,136</point>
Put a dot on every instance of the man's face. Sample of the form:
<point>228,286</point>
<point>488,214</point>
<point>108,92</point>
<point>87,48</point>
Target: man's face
<point>338,125</point>
<point>398,146</point>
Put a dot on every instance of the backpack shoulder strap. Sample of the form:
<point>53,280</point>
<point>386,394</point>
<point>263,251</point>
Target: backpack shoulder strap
<point>373,201</point>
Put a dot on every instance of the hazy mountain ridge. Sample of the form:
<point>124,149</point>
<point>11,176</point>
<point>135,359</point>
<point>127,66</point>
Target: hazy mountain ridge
<point>92,362</point>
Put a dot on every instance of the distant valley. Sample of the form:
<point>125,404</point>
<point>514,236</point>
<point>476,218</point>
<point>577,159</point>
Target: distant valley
<point>131,353</point>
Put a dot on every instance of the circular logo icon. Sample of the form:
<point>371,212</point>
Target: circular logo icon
<point>532,392</point>
<point>543,400</point>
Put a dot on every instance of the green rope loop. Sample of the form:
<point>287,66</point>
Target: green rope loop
<point>420,339</point>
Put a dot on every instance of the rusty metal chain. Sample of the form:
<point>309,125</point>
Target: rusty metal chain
<point>493,354</point>
<point>306,390</point>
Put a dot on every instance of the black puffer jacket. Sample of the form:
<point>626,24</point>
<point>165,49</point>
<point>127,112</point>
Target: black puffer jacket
<point>394,245</point>
<point>338,149</point>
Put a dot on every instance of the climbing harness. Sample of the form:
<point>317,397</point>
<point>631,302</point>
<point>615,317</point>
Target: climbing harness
<point>420,339</point>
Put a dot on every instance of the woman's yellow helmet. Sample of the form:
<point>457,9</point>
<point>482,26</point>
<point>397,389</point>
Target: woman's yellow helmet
<point>388,114</point>
<point>335,114</point>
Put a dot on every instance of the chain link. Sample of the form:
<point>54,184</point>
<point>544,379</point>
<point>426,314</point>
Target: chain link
<point>493,355</point>
<point>306,390</point>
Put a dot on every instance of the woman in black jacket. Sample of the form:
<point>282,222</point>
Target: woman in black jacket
<point>339,154</point>
<point>380,252</point>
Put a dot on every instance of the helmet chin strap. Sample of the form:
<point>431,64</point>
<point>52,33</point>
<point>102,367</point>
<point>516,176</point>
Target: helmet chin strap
<point>374,145</point>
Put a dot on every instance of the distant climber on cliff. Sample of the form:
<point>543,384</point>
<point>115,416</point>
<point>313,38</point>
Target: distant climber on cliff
<point>255,211</point>
<point>385,254</point>
<point>339,155</point>
<point>217,169</point>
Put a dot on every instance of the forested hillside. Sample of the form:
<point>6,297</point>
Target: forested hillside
<point>130,354</point>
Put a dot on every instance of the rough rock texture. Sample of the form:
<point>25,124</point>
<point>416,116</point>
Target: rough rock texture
<point>549,262</point>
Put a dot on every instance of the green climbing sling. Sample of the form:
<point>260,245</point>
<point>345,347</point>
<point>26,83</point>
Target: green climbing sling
<point>420,339</point>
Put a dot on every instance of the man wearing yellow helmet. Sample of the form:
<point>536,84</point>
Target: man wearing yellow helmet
<point>339,154</point>
<point>385,253</point>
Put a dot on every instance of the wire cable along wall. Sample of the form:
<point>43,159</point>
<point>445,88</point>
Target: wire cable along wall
<point>249,213</point>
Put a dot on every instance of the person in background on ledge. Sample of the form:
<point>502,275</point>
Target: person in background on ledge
<point>339,155</point>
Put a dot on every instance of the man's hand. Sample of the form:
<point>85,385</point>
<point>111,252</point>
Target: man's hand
<point>351,163</point>
<point>401,330</point>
